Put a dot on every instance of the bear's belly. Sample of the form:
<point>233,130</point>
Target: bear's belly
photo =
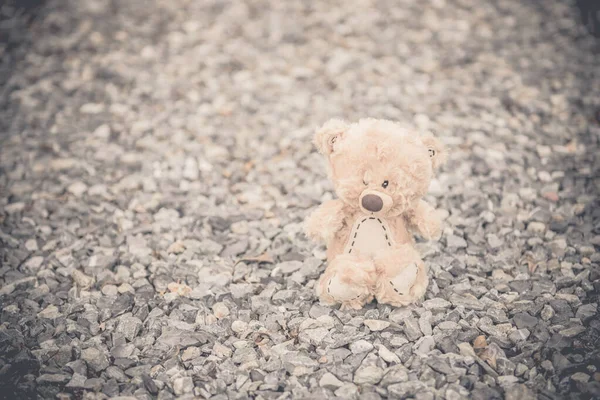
<point>368,237</point>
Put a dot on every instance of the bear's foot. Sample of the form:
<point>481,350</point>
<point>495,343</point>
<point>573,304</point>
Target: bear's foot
<point>348,281</point>
<point>401,277</point>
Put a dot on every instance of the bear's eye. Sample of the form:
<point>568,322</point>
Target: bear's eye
<point>365,183</point>
<point>385,184</point>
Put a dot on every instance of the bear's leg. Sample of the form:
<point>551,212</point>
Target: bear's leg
<point>348,280</point>
<point>401,276</point>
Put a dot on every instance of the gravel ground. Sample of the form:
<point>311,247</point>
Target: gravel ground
<point>157,166</point>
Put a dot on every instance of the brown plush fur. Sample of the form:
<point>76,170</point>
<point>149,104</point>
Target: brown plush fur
<point>370,252</point>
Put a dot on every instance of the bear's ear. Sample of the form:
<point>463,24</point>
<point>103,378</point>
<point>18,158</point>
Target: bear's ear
<point>327,135</point>
<point>436,150</point>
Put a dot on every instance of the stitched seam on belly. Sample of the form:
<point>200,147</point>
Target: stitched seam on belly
<point>387,239</point>
<point>386,235</point>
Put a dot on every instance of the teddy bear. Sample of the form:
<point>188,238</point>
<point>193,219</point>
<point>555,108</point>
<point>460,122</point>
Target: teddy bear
<point>380,171</point>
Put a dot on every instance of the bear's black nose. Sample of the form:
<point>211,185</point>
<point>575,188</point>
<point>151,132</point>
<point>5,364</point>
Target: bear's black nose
<point>372,203</point>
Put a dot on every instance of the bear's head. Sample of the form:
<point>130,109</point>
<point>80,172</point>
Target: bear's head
<point>378,166</point>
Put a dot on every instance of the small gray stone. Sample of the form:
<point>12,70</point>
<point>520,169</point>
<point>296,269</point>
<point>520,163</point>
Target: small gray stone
<point>572,331</point>
<point>454,392</point>
<point>376,325</point>
<point>524,320</point>
<point>547,366</point>
<point>494,241</point>
<point>504,366</point>
<point>220,310</point>
<point>400,314</point>
<point>183,385</point>
<point>536,227</point>
<point>454,241</point>
<point>330,381</point>
<point>540,287</point>
<point>236,248</point>
<point>191,353</point>
<point>116,373</point>
<point>150,384</point>
<point>239,326</point>
<point>138,370</point>
<point>295,361</point>
<point>518,392</point>
<point>436,304</point>
<point>318,310</point>
<point>96,359</point>
<point>50,312</point>
<point>124,350</point>
<point>440,365</point>
<point>407,389</point>
<point>394,374</point>
<point>386,355</point>
<point>448,326</point>
<point>77,382</point>
<point>425,323</point>
<point>507,380</point>
<point>411,329</point>
<point>587,311</point>
<point>284,296</point>
<point>467,301</point>
<point>347,391</point>
<point>558,247</point>
<point>580,377</point>
<point>52,378</point>
<point>360,346</point>
<point>82,280</point>
<point>520,286</point>
<point>547,313</point>
<point>129,327</point>
<point>520,335</point>
<point>586,251</point>
<point>370,375</point>
<point>424,345</point>
<point>77,366</point>
<point>289,267</point>
<point>521,369</point>
<point>31,245</point>
<point>110,290</point>
<point>34,264</point>
<point>238,290</point>
<point>314,336</point>
<point>497,315</point>
<point>244,355</point>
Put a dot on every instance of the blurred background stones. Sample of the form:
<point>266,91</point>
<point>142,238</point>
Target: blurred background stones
<point>156,167</point>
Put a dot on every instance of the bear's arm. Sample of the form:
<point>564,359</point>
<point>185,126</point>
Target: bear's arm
<point>325,221</point>
<point>424,221</point>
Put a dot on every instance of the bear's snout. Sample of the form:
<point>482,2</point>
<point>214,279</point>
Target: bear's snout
<point>372,202</point>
